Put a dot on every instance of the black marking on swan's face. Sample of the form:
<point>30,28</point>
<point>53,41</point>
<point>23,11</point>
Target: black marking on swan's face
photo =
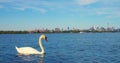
<point>46,38</point>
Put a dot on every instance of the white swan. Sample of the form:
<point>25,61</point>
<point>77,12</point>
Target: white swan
<point>30,50</point>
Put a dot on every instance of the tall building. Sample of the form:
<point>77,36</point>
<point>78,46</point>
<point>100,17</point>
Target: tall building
<point>57,29</point>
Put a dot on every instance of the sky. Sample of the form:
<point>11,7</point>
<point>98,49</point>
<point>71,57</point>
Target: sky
<point>39,14</point>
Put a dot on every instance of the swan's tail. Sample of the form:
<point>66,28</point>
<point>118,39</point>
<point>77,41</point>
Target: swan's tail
<point>16,48</point>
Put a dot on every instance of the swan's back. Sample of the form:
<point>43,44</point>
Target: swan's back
<point>27,50</point>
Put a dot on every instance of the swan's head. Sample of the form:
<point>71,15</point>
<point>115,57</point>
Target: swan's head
<point>43,37</point>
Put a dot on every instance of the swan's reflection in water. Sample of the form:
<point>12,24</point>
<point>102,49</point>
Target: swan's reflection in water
<point>32,58</point>
<point>41,60</point>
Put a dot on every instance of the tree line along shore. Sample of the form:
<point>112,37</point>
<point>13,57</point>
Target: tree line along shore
<point>47,31</point>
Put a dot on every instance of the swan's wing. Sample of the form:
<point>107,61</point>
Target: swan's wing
<point>27,50</point>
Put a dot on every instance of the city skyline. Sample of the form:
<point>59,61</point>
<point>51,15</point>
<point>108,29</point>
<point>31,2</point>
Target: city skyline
<point>36,14</point>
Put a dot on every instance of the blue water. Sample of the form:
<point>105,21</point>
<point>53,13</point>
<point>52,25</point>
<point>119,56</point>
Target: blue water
<point>63,48</point>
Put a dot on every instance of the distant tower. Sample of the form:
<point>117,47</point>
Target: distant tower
<point>68,28</point>
<point>107,24</point>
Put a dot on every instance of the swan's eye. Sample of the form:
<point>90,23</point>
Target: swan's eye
<point>46,38</point>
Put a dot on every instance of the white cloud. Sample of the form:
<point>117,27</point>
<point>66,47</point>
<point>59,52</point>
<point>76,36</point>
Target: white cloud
<point>39,9</point>
<point>107,8</point>
<point>22,9</point>
<point>101,12</point>
<point>22,5</point>
<point>86,2</point>
<point>115,14</point>
<point>5,0</point>
<point>43,6</point>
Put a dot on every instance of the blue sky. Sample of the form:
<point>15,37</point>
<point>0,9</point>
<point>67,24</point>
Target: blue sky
<point>38,14</point>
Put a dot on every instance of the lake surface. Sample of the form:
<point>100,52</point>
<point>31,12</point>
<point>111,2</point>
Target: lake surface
<point>63,48</point>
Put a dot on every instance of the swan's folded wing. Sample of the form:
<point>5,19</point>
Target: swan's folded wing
<point>27,50</point>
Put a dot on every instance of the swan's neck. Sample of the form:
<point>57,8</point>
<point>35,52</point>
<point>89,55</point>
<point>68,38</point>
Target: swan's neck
<point>41,46</point>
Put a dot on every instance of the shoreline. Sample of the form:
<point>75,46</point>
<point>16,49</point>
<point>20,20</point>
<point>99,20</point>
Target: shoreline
<point>81,32</point>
